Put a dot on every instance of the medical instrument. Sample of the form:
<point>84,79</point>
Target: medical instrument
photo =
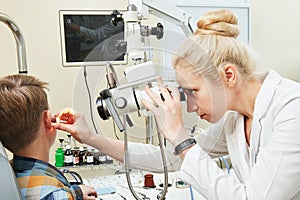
<point>123,99</point>
<point>21,51</point>
<point>119,100</point>
<point>142,73</point>
<point>126,98</point>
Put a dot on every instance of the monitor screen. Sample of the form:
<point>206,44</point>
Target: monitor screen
<point>91,38</point>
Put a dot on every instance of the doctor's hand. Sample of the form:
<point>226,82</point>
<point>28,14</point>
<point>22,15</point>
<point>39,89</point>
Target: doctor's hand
<point>79,129</point>
<point>168,113</point>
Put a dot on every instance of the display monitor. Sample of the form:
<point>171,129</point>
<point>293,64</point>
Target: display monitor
<point>91,38</point>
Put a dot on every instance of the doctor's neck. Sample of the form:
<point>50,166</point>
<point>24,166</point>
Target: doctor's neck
<point>242,97</point>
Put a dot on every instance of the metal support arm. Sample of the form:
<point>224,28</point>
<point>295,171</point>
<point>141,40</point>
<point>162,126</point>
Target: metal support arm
<point>164,10</point>
<point>21,52</point>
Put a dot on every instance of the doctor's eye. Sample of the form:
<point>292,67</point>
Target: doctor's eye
<point>189,91</point>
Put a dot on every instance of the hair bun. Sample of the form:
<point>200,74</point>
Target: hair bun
<point>221,22</point>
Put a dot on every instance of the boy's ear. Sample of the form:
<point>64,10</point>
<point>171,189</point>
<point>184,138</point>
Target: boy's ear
<point>47,119</point>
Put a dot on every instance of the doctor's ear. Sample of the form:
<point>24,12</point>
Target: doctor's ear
<point>229,75</point>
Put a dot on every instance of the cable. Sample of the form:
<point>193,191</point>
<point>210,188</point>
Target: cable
<point>90,99</point>
<point>191,193</point>
<point>226,164</point>
<point>161,144</point>
<point>75,175</point>
<point>164,192</point>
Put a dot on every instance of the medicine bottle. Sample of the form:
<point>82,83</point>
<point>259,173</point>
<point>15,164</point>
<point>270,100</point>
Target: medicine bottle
<point>102,158</point>
<point>68,156</point>
<point>96,157</point>
<point>109,160</point>
<point>81,156</point>
<point>89,157</point>
<point>61,141</point>
<point>59,157</point>
<point>75,157</point>
<point>68,140</point>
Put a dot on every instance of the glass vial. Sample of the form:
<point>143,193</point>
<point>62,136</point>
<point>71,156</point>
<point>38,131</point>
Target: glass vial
<point>75,157</point>
<point>96,157</point>
<point>81,156</point>
<point>68,156</point>
<point>89,157</point>
<point>102,158</point>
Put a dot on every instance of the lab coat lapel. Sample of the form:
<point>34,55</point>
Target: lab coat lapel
<point>240,148</point>
<point>262,104</point>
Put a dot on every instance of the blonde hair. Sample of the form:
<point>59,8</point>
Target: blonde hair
<point>23,101</point>
<point>215,44</point>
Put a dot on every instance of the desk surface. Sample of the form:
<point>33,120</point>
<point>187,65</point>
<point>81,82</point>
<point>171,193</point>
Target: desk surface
<point>119,182</point>
<point>101,176</point>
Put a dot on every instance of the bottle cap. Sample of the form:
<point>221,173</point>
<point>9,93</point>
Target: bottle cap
<point>59,149</point>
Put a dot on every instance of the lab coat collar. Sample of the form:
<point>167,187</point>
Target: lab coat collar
<point>262,103</point>
<point>265,94</point>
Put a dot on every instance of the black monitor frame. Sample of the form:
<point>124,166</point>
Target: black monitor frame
<point>77,50</point>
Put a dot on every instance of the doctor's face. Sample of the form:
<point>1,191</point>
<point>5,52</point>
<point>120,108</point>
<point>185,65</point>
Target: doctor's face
<point>204,97</point>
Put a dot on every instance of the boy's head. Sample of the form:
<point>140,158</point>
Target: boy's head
<point>22,102</point>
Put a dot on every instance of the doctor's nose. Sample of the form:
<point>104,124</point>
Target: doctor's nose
<point>190,105</point>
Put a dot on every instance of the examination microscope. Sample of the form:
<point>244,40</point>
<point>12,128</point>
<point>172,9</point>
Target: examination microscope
<point>119,100</point>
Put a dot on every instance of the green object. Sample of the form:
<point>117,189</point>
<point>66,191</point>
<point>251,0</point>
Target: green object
<point>59,157</point>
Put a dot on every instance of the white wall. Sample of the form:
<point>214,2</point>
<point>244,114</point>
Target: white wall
<point>275,31</point>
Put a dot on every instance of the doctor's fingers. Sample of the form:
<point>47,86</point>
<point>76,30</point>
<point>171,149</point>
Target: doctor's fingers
<point>165,90</point>
<point>72,129</point>
<point>166,93</point>
<point>174,92</point>
<point>157,99</point>
<point>151,107</point>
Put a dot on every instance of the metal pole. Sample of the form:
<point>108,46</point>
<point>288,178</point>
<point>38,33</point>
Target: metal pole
<point>21,52</point>
<point>149,129</point>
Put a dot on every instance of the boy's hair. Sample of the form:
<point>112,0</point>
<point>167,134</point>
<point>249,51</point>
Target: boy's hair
<point>22,102</point>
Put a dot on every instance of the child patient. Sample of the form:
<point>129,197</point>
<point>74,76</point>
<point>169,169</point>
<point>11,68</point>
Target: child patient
<point>26,130</point>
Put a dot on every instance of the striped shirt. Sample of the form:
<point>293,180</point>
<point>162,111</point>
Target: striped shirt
<point>40,180</point>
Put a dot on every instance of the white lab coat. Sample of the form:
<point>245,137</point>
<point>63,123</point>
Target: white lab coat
<point>268,169</point>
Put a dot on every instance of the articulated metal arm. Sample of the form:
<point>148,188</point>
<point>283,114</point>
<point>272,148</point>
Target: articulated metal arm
<point>165,10</point>
<point>21,53</point>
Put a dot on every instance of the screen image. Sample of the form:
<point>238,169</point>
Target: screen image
<point>91,38</point>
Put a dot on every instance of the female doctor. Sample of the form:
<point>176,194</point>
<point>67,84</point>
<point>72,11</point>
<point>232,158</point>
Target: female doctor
<point>254,118</point>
